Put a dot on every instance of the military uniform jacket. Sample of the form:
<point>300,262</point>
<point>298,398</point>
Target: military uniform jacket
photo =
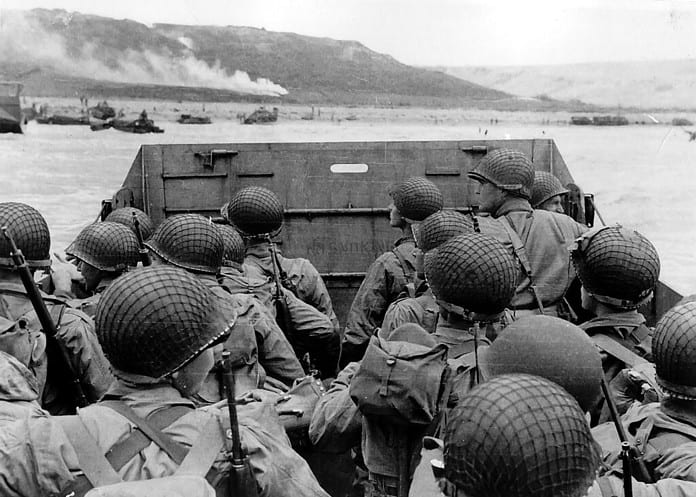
<point>546,237</point>
<point>76,331</point>
<point>422,310</point>
<point>384,280</point>
<point>279,471</point>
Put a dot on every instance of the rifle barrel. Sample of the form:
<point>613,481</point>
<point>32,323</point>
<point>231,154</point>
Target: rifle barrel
<point>228,375</point>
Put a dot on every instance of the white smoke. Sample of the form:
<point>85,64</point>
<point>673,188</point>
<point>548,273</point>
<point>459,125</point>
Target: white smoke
<point>23,40</point>
<point>187,42</point>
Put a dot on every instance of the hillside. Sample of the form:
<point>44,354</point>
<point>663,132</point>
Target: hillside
<point>59,53</point>
<point>648,85</point>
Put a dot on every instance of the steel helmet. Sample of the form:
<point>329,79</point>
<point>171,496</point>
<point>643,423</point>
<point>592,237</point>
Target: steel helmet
<point>30,232</point>
<point>156,320</point>
<point>416,198</point>
<point>474,272</point>
<point>106,246</point>
<point>439,227</point>
<point>617,266</point>
<point>234,245</point>
<point>674,351</point>
<point>255,211</point>
<point>507,169</point>
<point>551,348</point>
<point>519,436</point>
<point>124,215</point>
<point>546,186</point>
<point>189,241</point>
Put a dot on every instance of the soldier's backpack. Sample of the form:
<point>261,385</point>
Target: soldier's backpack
<point>100,477</point>
<point>401,380</point>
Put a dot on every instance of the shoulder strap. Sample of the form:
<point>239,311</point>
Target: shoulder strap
<point>615,349</point>
<point>174,450</point>
<point>202,455</point>
<point>91,458</point>
<point>517,246</point>
<point>408,272</point>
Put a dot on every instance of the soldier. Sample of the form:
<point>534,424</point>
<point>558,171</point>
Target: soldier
<point>518,436</point>
<point>75,329</point>
<point>257,213</point>
<point>193,243</point>
<point>547,192</point>
<point>124,215</point>
<point>157,327</point>
<point>539,239</point>
<point>103,252</point>
<point>473,280</point>
<point>311,331</point>
<point>435,229</point>
<point>618,269</point>
<point>394,271</point>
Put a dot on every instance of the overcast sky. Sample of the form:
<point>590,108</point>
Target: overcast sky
<point>443,32</point>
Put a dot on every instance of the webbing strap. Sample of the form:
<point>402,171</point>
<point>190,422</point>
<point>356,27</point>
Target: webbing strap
<point>174,450</point>
<point>90,457</point>
<point>202,455</point>
<point>408,273</point>
<point>615,349</point>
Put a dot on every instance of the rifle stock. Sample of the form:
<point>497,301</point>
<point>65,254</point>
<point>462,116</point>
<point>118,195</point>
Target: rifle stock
<point>241,482</point>
<point>625,443</point>
<point>142,249</point>
<point>48,326</point>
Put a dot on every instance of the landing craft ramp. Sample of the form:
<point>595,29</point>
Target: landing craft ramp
<point>335,194</point>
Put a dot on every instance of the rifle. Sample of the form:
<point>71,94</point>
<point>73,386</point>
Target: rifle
<point>629,452</point>
<point>142,250</point>
<point>242,482</point>
<point>47,324</point>
<point>283,317</point>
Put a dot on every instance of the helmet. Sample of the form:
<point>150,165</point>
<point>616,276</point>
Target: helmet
<point>416,198</point>
<point>551,348</point>
<point>124,215</point>
<point>546,186</point>
<point>189,241</point>
<point>155,321</point>
<point>519,436</point>
<point>30,232</point>
<point>474,272</point>
<point>234,245</point>
<point>439,227</point>
<point>107,246</point>
<point>507,169</point>
<point>255,211</point>
<point>674,351</point>
<point>618,266</point>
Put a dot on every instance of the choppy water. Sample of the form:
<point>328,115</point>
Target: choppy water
<point>642,176</point>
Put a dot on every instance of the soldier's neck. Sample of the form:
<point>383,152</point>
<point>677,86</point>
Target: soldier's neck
<point>601,310</point>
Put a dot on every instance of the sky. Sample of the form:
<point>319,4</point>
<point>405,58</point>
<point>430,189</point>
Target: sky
<point>442,32</point>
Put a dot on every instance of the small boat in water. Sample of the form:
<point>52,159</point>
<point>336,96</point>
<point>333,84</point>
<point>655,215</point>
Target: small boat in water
<point>63,120</point>
<point>138,126</point>
<point>11,118</point>
<point>189,119</point>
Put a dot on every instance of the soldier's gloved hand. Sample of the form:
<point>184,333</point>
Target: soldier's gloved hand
<point>630,386</point>
<point>63,274</point>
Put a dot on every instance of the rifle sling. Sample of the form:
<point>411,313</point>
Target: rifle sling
<point>148,431</point>
<point>205,450</point>
<point>615,349</point>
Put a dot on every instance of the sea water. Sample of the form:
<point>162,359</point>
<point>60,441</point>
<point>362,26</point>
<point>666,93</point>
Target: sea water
<point>642,176</point>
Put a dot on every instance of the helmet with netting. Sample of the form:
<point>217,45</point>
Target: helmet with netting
<point>474,272</point>
<point>437,228</point>
<point>674,351</point>
<point>507,169</point>
<point>30,232</point>
<point>255,211</point>
<point>519,436</point>
<point>618,266</point>
<point>416,198</point>
<point>189,241</point>
<point>546,186</point>
<point>154,321</point>
<point>107,246</point>
<point>551,348</point>
<point>124,215</point>
<point>234,245</point>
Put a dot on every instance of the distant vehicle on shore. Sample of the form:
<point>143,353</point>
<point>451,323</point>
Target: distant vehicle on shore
<point>11,117</point>
<point>139,126</point>
<point>599,120</point>
<point>189,119</point>
<point>262,116</point>
<point>102,111</point>
<point>63,120</point>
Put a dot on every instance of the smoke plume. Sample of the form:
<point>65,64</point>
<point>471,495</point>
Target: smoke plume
<point>24,40</point>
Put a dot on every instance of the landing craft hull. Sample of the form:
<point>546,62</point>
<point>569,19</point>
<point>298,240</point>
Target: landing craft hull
<point>11,117</point>
<point>336,219</point>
